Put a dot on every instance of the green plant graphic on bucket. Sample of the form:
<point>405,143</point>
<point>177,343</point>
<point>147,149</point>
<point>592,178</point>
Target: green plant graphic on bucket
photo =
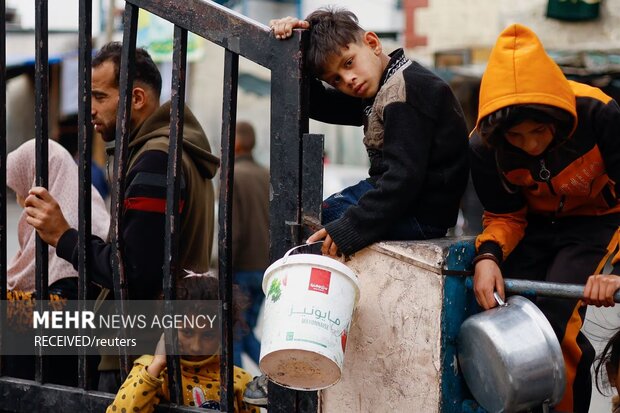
<point>275,290</point>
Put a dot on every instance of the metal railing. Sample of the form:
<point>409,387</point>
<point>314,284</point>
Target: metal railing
<point>238,36</point>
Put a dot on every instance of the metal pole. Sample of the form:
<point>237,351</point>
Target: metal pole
<point>543,289</point>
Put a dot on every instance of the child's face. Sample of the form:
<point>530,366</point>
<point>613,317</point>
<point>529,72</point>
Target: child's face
<point>198,342</point>
<point>530,136</point>
<point>358,69</point>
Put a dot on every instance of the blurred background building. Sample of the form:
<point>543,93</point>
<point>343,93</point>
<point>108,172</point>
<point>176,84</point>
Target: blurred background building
<point>453,37</point>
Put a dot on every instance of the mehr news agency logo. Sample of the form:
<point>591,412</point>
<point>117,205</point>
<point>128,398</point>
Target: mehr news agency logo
<point>61,328</point>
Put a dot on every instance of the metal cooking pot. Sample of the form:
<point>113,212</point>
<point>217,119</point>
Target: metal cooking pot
<point>511,358</point>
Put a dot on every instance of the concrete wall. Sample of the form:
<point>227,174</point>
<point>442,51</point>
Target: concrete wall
<point>392,360</point>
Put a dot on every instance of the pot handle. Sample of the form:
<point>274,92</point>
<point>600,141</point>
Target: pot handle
<point>300,246</point>
<point>499,300</point>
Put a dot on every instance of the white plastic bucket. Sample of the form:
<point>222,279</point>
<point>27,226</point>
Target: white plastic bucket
<point>309,302</point>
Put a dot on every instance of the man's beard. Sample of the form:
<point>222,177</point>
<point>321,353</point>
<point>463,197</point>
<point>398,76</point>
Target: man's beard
<point>109,134</point>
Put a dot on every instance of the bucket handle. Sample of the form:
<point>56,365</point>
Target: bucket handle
<point>300,246</point>
<point>499,300</point>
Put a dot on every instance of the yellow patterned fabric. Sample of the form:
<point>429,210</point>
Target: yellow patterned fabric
<point>141,392</point>
<point>20,307</point>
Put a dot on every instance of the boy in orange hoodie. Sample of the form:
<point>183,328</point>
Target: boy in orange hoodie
<point>545,161</point>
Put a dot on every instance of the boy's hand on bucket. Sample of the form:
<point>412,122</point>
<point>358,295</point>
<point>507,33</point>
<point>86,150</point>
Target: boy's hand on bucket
<point>329,246</point>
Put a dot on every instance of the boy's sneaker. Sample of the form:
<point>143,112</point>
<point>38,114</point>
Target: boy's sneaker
<point>256,391</point>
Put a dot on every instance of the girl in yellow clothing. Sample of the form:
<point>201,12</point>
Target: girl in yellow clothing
<point>201,386</point>
<point>147,383</point>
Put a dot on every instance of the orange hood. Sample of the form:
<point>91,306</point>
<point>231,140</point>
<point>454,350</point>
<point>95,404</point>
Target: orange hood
<point>520,72</point>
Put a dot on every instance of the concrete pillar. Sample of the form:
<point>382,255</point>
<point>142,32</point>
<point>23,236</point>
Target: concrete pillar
<point>393,359</point>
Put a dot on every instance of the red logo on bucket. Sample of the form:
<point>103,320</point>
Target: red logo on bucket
<point>319,280</point>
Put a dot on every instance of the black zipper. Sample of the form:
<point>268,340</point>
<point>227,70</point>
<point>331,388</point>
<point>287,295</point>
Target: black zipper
<point>545,175</point>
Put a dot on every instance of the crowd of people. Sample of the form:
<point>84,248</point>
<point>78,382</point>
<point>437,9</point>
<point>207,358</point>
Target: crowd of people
<point>544,158</point>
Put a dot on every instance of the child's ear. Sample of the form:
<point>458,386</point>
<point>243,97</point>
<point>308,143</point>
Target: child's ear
<point>612,373</point>
<point>372,40</point>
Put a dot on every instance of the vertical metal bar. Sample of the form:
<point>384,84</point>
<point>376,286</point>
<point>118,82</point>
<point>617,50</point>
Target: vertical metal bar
<point>3,200</point>
<point>85,136</point>
<point>173,184</point>
<point>41,128</point>
<point>289,121</point>
<point>123,124</point>
<point>227,173</point>
<point>311,180</point>
<point>457,306</point>
<point>41,135</point>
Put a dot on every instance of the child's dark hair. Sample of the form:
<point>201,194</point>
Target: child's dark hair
<point>493,127</point>
<point>611,355</point>
<point>206,288</point>
<point>146,70</point>
<point>331,30</point>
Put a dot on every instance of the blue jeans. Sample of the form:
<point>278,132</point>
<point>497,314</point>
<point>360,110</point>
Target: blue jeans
<point>405,228</point>
<point>250,283</point>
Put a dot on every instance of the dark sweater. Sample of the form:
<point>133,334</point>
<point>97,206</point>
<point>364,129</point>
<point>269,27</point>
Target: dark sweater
<point>143,219</point>
<point>416,139</point>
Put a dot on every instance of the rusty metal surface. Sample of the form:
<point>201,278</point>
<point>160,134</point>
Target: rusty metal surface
<point>3,200</point>
<point>3,80</point>
<point>227,173</point>
<point>289,121</point>
<point>222,26</point>
<point>173,184</point>
<point>123,123</point>
<point>311,183</point>
<point>85,136</point>
<point>41,112</point>
<point>17,395</point>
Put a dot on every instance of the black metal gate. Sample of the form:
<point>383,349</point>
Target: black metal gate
<point>290,164</point>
